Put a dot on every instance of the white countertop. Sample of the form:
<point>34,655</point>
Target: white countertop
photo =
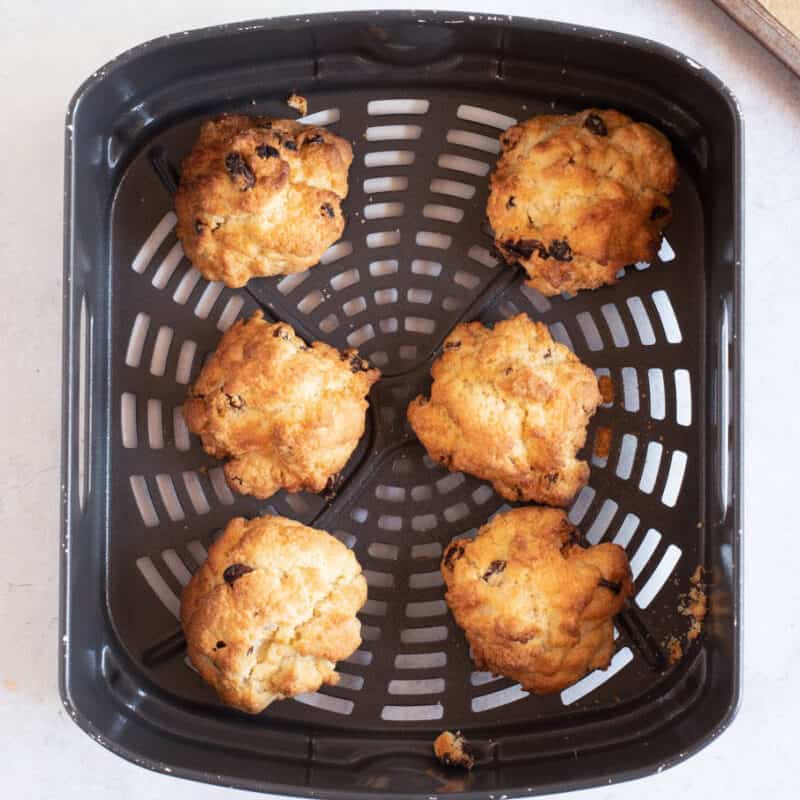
<point>46,50</point>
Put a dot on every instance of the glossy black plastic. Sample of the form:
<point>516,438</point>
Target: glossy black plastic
<point>123,677</point>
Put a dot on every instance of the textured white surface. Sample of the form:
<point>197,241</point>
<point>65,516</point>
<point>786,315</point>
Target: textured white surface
<point>46,50</point>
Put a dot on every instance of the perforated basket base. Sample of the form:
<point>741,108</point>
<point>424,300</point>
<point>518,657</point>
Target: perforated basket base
<point>423,112</point>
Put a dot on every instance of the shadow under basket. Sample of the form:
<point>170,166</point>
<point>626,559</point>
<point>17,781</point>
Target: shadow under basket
<point>423,98</point>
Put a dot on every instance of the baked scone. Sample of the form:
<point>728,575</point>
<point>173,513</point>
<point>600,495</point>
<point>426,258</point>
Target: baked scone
<point>576,198</point>
<point>510,406</point>
<point>272,610</point>
<point>288,416</point>
<point>260,196</point>
<point>453,750</point>
<point>535,602</point>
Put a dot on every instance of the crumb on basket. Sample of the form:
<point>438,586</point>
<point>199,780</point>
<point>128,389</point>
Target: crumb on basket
<point>694,604</point>
<point>606,386</point>
<point>602,443</point>
<point>453,750</point>
<point>674,650</point>
<point>298,103</point>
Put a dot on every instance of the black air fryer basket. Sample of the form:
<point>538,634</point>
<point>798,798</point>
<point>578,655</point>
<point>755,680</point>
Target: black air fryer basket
<point>423,97</point>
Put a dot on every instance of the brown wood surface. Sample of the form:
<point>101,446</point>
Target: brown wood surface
<point>755,17</point>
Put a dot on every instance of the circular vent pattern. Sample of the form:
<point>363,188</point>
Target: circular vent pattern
<point>414,260</point>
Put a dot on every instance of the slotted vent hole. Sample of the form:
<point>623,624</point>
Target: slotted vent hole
<point>389,158</point>
<point>644,552</point>
<point>288,284</point>
<point>655,378</point>
<point>325,702</point>
<point>683,397</point>
<point>180,433</point>
<point>627,455</point>
<point>187,283</point>
<point>587,325</point>
<point>392,494</point>
<point>425,580</point>
<point>158,360</point>
<point>194,489</point>
<point>183,370</point>
<point>169,497</point>
<point>133,355</point>
<point>378,580</point>
<point>128,420</point>
<point>335,252</point>
<point>458,189</point>
<point>597,678</point>
<point>536,299</point>
<point>466,279</point>
<point>503,697</point>
<point>626,530</point>
<point>155,424</point>
<point>427,608</point>
<point>483,116</point>
<point>581,505</point>
<point>208,300</point>
<point>386,133</point>
<point>176,566</point>
<point>615,325</point>
<point>412,713</point>
<point>383,239</point>
<point>398,106</point>
<point>390,183</point>
<point>230,312</point>
<point>143,500</point>
<point>168,266</point>
<point>159,586</point>
<point>433,660</point>
<point>471,166</point>
<point>641,321</point>
<point>652,462</point>
<point>220,486</point>
<point>423,522</point>
<point>427,550</point>
<point>482,256</point>
<point>327,116</point>
<point>476,141</point>
<point>354,306</point>
<point>379,268</point>
<point>361,335</point>
<point>630,389</point>
<point>419,686</point>
<point>383,210</point>
<point>559,332</point>
<point>380,550</point>
<point>674,481</point>
<point>443,213</point>
<point>602,521</point>
<point>660,575</point>
<point>145,255</point>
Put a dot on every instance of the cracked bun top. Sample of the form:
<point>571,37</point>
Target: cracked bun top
<point>272,610</point>
<point>574,199</point>
<point>286,414</point>
<point>509,405</point>
<point>260,196</point>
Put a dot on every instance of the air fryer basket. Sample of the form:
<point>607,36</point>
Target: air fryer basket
<point>423,97</point>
